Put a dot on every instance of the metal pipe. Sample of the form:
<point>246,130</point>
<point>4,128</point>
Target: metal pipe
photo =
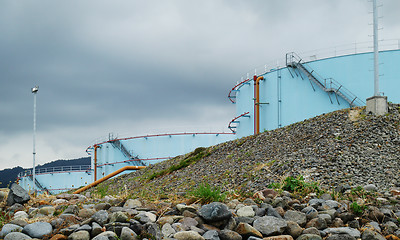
<point>376,50</point>
<point>95,183</point>
<point>257,103</point>
<point>95,161</point>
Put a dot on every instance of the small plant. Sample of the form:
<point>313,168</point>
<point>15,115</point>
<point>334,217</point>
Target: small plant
<point>4,218</point>
<point>193,157</point>
<point>102,190</point>
<point>357,209</point>
<point>206,194</point>
<point>298,185</point>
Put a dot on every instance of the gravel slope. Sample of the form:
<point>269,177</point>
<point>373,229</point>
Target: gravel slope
<point>342,147</point>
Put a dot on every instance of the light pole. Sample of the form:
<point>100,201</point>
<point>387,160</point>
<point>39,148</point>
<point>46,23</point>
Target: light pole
<point>34,91</point>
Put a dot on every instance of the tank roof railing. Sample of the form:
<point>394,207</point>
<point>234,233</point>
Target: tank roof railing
<point>323,53</point>
<point>49,170</point>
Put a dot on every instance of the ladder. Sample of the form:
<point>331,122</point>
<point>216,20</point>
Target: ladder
<point>328,85</point>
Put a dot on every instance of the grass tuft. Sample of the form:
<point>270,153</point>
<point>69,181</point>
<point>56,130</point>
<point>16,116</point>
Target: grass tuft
<point>206,194</point>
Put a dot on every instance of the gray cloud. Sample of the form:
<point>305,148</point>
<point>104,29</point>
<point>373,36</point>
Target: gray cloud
<point>137,67</point>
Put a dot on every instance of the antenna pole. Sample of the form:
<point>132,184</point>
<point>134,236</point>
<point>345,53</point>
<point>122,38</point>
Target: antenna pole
<point>376,50</point>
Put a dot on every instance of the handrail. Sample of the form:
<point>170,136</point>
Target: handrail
<point>135,160</point>
<point>108,176</point>
<point>233,121</point>
<point>327,84</point>
<point>49,170</point>
<point>232,92</point>
<point>159,135</point>
<point>330,52</point>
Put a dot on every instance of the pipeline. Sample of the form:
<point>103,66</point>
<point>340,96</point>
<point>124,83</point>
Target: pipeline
<point>257,103</point>
<point>95,183</point>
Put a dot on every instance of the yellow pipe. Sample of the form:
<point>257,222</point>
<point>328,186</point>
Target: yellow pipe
<point>108,176</point>
<point>257,104</point>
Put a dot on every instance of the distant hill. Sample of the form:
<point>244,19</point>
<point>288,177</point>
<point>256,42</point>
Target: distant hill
<point>9,175</point>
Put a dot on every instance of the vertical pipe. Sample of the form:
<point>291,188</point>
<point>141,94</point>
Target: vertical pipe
<point>257,103</point>
<point>95,162</point>
<point>376,51</point>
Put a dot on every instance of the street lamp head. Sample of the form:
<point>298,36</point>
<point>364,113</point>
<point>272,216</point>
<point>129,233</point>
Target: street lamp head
<point>35,89</point>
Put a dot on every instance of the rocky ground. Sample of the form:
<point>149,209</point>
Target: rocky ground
<point>346,164</point>
<point>271,216</point>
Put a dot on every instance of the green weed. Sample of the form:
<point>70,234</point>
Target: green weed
<point>357,209</point>
<point>193,157</point>
<point>206,194</point>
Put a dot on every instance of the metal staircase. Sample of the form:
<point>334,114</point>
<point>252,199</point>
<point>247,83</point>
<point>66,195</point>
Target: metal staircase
<point>38,184</point>
<point>118,144</point>
<point>328,85</point>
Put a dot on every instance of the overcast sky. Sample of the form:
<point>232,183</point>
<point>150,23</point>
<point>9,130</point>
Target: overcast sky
<point>139,67</point>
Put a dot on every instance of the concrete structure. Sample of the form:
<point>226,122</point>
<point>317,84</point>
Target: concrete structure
<point>303,87</point>
<point>377,105</point>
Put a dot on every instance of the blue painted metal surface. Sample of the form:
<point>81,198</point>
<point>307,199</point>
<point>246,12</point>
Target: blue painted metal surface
<point>288,97</point>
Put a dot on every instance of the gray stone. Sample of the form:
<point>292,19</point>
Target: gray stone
<point>374,225</point>
<point>188,222</point>
<point>128,234</point>
<point>96,229</point>
<point>330,204</point>
<point>71,209</point>
<point>370,188</point>
<point>19,222</point>
<point>326,217</point>
<point>116,227</point>
<point>146,217</point>
<point>343,230</point>
<point>107,235</point>
<point>188,235</point>
<point>183,207</point>
<point>84,227</point>
<point>118,217</point>
<point>295,216</point>
<point>7,228</point>
<point>47,210</point>
<point>79,235</point>
<point>371,235</point>
<point>20,215</point>
<point>273,213</point>
<point>318,222</point>
<point>270,225</point>
<point>154,230</point>
<point>254,238</point>
<point>16,236</point>
<point>310,212</point>
<point>38,229</point>
<point>132,203</point>
<point>311,230</point>
<point>69,230</point>
<point>390,227</point>
<point>294,229</point>
<point>246,230</point>
<point>102,206</point>
<point>246,211</point>
<point>211,235</point>
<point>86,213</point>
<point>340,237</point>
<point>167,230</point>
<point>229,235</point>
<point>17,195</point>
<point>101,217</point>
<point>214,212</point>
<point>309,237</point>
